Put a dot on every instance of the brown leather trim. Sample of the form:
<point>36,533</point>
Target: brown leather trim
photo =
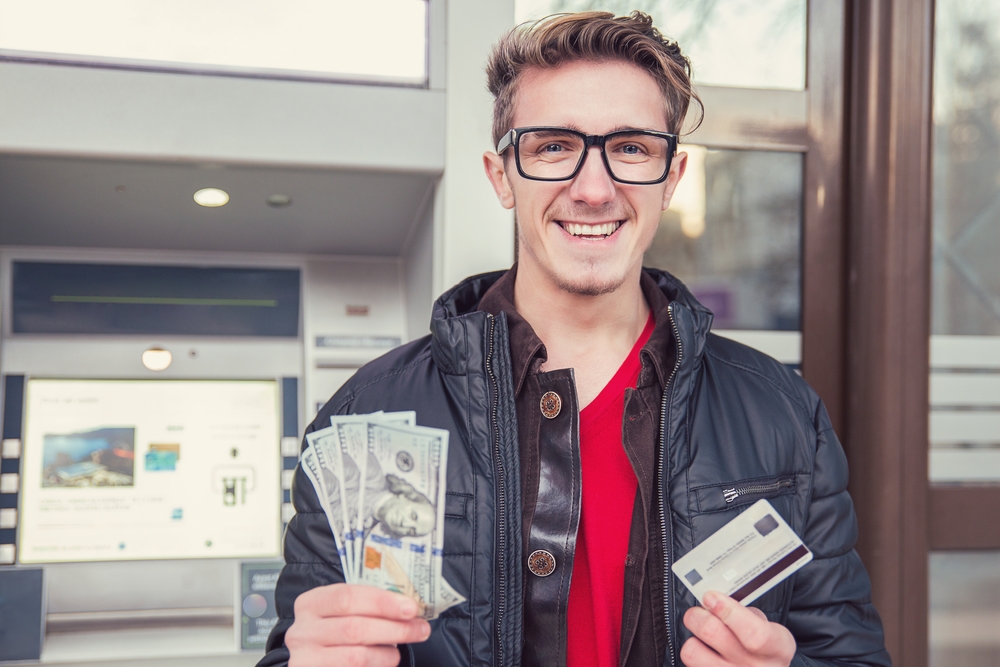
<point>554,525</point>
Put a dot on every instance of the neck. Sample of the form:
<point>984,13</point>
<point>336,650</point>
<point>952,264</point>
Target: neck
<point>590,334</point>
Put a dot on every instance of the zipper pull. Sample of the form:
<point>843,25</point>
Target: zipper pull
<point>730,494</point>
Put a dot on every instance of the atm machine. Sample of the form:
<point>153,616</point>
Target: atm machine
<point>152,409</point>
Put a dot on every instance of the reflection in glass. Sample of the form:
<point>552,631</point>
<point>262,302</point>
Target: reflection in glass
<point>288,38</point>
<point>744,43</point>
<point>967,168</point>
<point>965,345</point>
<point>965,609</point>
<point>732,234</point>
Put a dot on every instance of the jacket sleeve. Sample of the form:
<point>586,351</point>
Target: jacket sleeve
<point>831,613</point>
<point>311,560</point>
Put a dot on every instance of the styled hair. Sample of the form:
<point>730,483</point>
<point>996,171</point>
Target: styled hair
<point>595,36</point>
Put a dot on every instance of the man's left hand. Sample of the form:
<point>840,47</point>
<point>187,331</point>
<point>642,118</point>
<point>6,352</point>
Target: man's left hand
<point>727,634</point>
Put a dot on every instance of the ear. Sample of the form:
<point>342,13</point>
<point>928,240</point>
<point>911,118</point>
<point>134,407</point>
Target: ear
<point>677,167</point>
<point>496,171</point>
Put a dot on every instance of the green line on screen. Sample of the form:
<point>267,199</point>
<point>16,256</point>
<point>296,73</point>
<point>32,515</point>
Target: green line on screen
<point>165,301</point>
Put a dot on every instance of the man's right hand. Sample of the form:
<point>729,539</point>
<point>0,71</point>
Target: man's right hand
<point>359,626</point>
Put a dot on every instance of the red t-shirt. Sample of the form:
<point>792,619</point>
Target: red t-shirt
<point>594,616</point>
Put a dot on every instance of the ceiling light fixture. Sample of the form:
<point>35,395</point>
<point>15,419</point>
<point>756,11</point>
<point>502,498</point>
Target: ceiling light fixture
<point>156,359</point>
<point>277,201</point>
<point>211,197</point>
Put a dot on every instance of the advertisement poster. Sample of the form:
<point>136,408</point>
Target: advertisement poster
<point>149,469</point>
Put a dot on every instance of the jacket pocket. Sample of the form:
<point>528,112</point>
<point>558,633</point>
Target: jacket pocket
<point>721,497</point>
<point>455,505</point>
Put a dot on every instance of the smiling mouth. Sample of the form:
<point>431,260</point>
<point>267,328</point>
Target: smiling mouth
<point>598,231</point>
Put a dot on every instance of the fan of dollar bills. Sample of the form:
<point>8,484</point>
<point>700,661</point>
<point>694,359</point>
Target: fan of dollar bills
<point>381,481</point>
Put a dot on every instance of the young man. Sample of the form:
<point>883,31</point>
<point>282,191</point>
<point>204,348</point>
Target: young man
<point>596,423</point>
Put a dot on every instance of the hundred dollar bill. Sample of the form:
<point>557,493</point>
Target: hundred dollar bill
<point>352,432</point>
<point>325,444</point>
<point>383,490</point>
<point>403,512</point>
<point>447,597</point>
<point>330,501</point>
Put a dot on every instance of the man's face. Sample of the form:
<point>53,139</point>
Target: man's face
<point>562,225</point>
<point>406,518</point>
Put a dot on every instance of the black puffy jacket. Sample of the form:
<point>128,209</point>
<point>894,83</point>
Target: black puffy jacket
<point>731,416</point>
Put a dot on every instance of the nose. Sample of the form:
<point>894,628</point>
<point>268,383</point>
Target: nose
<point>593,185</point>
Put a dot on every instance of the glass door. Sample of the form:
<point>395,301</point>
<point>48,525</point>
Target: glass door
<point>964,457</point>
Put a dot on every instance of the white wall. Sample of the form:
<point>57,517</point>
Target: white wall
<point>418,271</point>
<point>46,109</point>
<point>331,287</point>
<point>473,232</point>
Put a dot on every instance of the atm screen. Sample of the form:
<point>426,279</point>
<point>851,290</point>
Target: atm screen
<point>149,469</point>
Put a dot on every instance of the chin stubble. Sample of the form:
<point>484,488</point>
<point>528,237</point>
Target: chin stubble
<point>588,288</point>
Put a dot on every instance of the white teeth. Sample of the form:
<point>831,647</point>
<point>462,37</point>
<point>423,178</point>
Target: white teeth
<point>603,229</point>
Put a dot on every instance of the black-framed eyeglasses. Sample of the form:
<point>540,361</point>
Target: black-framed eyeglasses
<point>636,157</point>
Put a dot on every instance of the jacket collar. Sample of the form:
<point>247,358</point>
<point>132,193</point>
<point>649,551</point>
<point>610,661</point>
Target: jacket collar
<point>527,352</point>
<point>453,314</point>
<point>459,309</point>
<point>692,320</point>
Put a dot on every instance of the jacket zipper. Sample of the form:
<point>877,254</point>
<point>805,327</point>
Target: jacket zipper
<point>754,489</point>
<point>501,496</point>
<point>667,390</point>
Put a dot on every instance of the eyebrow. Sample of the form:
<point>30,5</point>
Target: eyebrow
<point>617,128</point>
<point>632,128</point>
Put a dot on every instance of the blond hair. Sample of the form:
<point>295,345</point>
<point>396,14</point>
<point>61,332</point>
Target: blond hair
<point>595,36</point>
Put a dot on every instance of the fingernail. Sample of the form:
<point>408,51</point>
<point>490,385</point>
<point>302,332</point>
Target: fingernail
<point>425,630</point>
<point>712,600</point>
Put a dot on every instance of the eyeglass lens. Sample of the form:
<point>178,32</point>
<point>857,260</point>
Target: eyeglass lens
<point>556,154</point>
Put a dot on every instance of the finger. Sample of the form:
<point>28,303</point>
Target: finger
<point>758,613</point>
<point>366,631</point>
<point>755,634</point>
<point>368,656</point>
<point>384,656</point>
<point>355,600</point>
<point>365,656</point>
<point>714,633</point>
<point>695,653</point>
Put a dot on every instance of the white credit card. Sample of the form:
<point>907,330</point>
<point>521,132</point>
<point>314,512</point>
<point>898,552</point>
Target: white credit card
<point>745,558</point>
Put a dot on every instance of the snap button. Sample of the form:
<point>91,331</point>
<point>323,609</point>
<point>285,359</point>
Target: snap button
<point>541,563</point>
<point>551,405</point>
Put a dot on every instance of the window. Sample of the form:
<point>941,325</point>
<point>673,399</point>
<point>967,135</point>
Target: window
<point>743,43</point>
<point>375,40</point>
